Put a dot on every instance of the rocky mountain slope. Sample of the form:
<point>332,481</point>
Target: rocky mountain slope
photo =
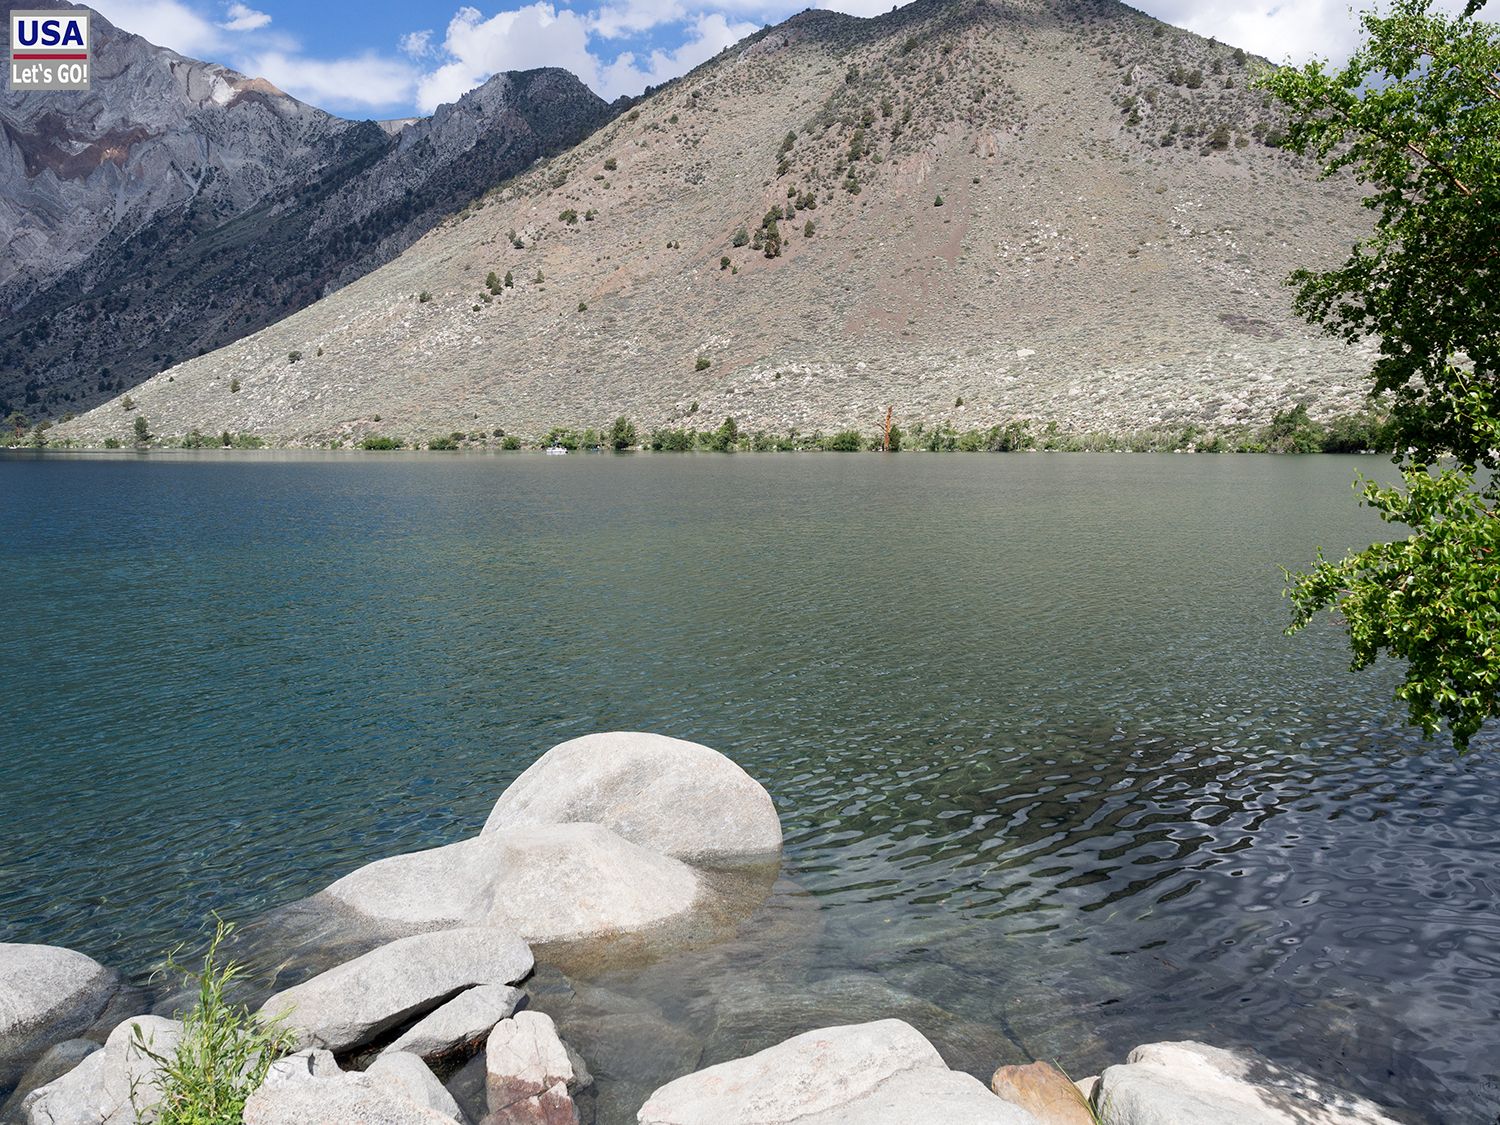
<point>178,205</point>
<point>969,210</point>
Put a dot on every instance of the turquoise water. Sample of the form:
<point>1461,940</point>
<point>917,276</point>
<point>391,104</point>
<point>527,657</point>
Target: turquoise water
<point>1052,780</point>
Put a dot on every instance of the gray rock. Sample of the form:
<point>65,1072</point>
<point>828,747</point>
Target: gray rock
<point>75,1098</point>
<point>351,1004</point>
<point>1189,1083</point>
<point>117,1085</point>
<point>415,1079</point>
<point>56,1061</point>
<point>300,1066</point>
<point>678,798</point>
<point>531,1072</point>
<point>460,1024</point>
<point>566,882</point>
<point>882,1073</point>
<point>339,1098</point>
<point>47,994</point>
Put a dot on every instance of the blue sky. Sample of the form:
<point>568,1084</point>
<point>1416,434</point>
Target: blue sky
<point>398,60</point>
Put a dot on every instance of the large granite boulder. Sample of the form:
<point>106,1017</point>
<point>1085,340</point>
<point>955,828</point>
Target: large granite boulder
<point>555,883</point>
<point>461,1024</point>
<point>47,994</point>
<point>1190,1083</point>
<point>56,1061</point>
<point>882,1073</point>
<point>117,1085</point>
<point>415,1079</point>
<point>674,797</point>
<point>308,1088</point>
<point>351,1004</point>
<point>531,1074</point>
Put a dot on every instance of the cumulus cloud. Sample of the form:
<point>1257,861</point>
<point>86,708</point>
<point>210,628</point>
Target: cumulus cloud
<point>476,47</point>
<point>1292,30</point>
<point>417,44</point>
<point>242,17</point>
<point>361,84</point>
<point>629,75</point>
<point>167,23</point>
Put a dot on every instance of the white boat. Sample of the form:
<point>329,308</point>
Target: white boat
<point>556,451</point>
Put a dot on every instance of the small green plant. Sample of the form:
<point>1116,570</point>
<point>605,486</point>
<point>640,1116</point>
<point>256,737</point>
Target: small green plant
<point>569,216</point>
<point>583,306</point>
<point>127,403</point>
<point>293,357</point>
<point>142,430</point>
<point>510,280</point>
<point>423,297</point>
<point>224,1053</point>
<point>724,262</point>
<point>703,363</point>
<point>609,164</point>
<point>938,202</point>
<point>846,441</point>
<point>380,442</point>
<point>111,443</point>
<point>234,384</point>
<point>442,444</point>
<point>510,441</point>
<point>622,434</point>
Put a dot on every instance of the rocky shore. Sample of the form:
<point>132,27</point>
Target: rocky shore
<point>610,849</point>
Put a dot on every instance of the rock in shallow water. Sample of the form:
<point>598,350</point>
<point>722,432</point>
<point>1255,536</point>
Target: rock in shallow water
<point>678,798</point>
<point>1043,1091</point>
<point>47,994</point>
<point>531,1073</point>
<point>882,1073</point>
<point>353,1003</point>
<point>1190,1083</point>
<point>416,1080</point>
<point>561,883</point>
<point>462,1023</point>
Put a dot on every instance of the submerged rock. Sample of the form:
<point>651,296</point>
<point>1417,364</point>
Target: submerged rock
<point>1044,1091</point>
<point>461,1024</point>
<point>531,1073</point>
<point>351,1004</point>
<point>678,798</point>
<point>560,883</point>
<point>882,1073</point>
<point>1190,1083</point>
<point>47,994</point>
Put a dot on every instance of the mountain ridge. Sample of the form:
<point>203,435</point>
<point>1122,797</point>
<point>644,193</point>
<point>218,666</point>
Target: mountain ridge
<point>179,204</point>
<point>969,210</point>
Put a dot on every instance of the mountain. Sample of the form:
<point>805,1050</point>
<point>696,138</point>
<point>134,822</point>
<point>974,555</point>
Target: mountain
<point>178,205</point>
<point>988,209</point>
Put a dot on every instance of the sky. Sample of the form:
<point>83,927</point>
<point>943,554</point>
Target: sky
<point>361,59</point>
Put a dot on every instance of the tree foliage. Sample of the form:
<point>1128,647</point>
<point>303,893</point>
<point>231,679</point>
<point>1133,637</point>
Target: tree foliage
<point>1415,115</point>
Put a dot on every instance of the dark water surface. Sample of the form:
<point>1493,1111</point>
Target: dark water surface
<point>1053,782</point>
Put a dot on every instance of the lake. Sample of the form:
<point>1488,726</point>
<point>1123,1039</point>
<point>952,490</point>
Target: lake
<point>1052,780</point>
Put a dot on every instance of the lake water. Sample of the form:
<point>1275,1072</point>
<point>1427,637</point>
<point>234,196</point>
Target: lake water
<point>1052,780</point>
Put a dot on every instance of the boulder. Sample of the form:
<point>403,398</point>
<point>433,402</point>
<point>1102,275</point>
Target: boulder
<point>115,1085</point>
<point>1188,1083</point>
<point>882,1073</point>
<point>47,994</point>
<point>558,883</point>
<point>314,1062</point>
<point>338,1098</point>
<point>669,796</point>
<point>56,1061</point>
<point>1044,1091</point>
<point>353,1003</point>
<point>461,1024</point>
<point>415,1079</point>
<point>531,1073</point>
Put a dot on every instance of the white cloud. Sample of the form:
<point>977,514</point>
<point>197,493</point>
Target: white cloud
<point>167,23</point>
<point>536,35</point>
<point>362,84</point>
<point>628,75</point>
<point>242,17</point>
<point>417,44</point>
<point>1290,30</point>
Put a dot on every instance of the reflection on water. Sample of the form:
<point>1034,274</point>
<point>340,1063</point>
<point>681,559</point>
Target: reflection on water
<point>1052,781</point>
